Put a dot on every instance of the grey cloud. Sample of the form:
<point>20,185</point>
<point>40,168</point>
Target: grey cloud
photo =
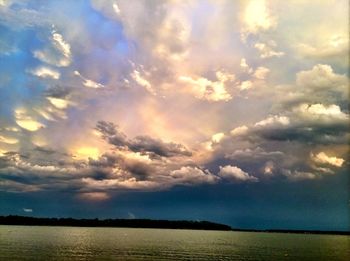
<point>158,147</point>
<point>319,84</point>
<point>111,133</point>
<point>44,150</point>
<point>143,144</point>
<point>58,91</point>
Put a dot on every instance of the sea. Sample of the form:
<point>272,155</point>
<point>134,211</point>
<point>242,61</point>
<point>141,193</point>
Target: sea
<point>89,243</point>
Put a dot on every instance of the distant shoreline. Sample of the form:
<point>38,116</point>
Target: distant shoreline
<point>147,223</point>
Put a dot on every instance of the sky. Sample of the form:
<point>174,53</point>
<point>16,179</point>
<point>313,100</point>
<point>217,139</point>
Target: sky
<point>228,111</point>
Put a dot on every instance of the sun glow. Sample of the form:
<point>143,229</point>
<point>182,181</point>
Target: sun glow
<point>84,153</point>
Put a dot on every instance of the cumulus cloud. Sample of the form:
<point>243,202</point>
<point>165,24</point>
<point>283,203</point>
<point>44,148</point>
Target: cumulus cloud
<point>322,112</point>
<point>275,146</point>
<point>286,128</point>
<point>335,46</point>
<point>233,173</point>
<point>245,66</point>
<point>320,84</point>
<point>206,89</point>
<point>241,130</point>
<point>217,137</point>
<point>257,17</point>
<point>273,120</point>
<point>261,73</point>
<point>246,85</point>
<point>323,158</point>
<point>192,175</point>
<point>267,50</point>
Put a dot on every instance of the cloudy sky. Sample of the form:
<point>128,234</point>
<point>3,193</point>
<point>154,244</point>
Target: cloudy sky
<point>229,111</point>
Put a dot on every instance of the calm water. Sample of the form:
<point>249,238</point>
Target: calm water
<point>72,243</point>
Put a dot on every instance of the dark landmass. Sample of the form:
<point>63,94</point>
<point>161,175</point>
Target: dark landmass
<point>133,223</point>
<point>145,223</point>
<point>322,232</point>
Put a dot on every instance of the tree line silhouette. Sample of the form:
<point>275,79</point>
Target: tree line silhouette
<point>133,223</point>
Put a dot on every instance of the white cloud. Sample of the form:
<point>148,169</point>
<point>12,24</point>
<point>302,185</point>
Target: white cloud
<point>244,65</point>
<point>116,8</point>
<point>192,175</point>
<point>267,50</point>
<point>322,77</point>
<point>8,140</point>
<point>25,121</point>
<point>61,44</point>
<point>58,102</point>
<point>28,210</point>
<point>58,53</point>
<point>210,90</point>
<point>246,85</point>
<point>234,173</point>
<point>216,138</point>
<point>241,130</point>
<point>46,72</point>
<point>257,17</point>
<point>261,73</point>
<point>323,158</point>
<point>269,168</point>
<point>318,111</point>
<point>87,82</point>
<point>336,45</point>
<point>272,120</point>
<point>142,81</point>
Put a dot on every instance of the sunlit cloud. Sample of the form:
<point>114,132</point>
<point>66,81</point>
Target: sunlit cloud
<point>58,103</point>
<point>94,196</point>
<point>87,82</point>
<point>25,121</point>
<point>57,53</point>
<point>206,89</point>
<point>267,50</point>
<point>85,153</point>
<point>159,97</point>
<point>257,17</point>
<point>323,158</point>
<point>233,173</point>
<point>8,140</point>
<point>142,81</point>
<point>46,72</point>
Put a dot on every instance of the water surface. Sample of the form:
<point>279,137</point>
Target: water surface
<point>77,243</point>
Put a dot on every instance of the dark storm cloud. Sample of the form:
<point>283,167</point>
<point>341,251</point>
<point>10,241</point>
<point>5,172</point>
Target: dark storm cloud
<point>307,133</point>
<point>142,144</point>
<point>111,133</point>
<point>157,146</point>
<point>44,150</point>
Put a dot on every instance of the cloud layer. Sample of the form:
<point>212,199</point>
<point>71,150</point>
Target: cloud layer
<point>110,95</point>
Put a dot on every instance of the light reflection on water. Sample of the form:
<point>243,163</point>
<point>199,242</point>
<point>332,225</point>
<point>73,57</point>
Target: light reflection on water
<point>73,243</point>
